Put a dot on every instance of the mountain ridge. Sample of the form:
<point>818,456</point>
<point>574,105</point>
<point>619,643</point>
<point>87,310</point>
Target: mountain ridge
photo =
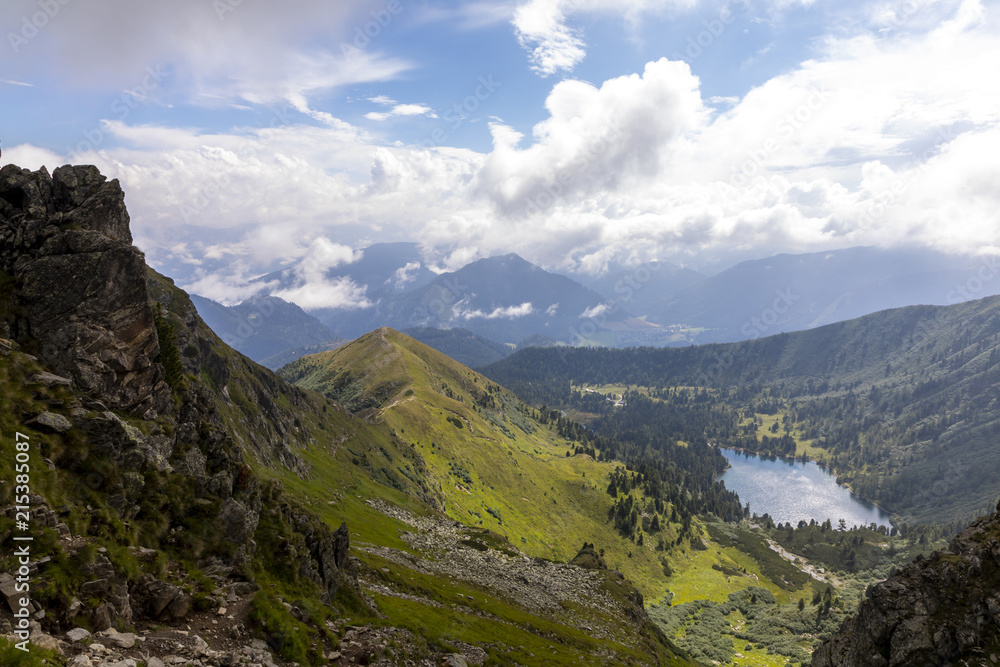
<point>153,515</point>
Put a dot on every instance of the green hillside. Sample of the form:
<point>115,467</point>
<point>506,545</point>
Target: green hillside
<point>903,404</point>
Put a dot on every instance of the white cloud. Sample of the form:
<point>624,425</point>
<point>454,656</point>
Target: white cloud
<point>595,311</point>
<point>553,46</point>
<point>336,293</point>
<point>383,100</point>
<point>314,290</point>
<point>634,168</point>
<point>404,275</point>
<point>224,289</point>
<point>595,138</point>
<point>402,110</point>
<point>213,54</point>
<point>551,310</point>
<point>506,313</point>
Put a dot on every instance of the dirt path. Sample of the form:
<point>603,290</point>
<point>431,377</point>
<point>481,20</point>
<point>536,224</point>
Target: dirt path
<point>803,564</point>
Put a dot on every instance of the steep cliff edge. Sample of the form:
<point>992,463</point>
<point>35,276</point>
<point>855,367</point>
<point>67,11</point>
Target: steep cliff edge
<point>147,432</point>
<point>940,610</point>
<point>75,293</point>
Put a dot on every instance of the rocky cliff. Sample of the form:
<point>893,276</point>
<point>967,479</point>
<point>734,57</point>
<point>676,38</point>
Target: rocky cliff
<point>76,289</point>
<point>149,426</point>
<point>940,610</point>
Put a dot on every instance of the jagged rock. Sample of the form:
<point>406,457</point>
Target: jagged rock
<point>80,289</point>
<point>108,433</point>
<point>238,523</point>
<point>456,660</point>
<point>940,610</point>
<point>47,642</point>
<point>96,589</point>
<point>50,422</point>
<point>160,600</point>
<point>103,617</point>
<point>124,640</point>
<point>8,588</point>
<point>82,660</point>
<point>51,380</point>
<point>77,634</point>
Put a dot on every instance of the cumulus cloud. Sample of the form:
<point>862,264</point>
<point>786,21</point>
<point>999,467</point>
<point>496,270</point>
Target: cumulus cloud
<point>314,289</point>
<point>541,27</point>
<point>404,275</point>
<point>217,53</point>
<point>402,110</point>
<point>595,138</point>
<point>336,293</point>
<point>225,289</point>
<point>595,311</point>
<point>880,137</point>
<point>462,311</point>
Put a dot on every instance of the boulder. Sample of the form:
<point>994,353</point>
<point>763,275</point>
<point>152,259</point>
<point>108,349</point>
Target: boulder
<point>160,600</point>
<point>50,422</point>
<point>77,634</point>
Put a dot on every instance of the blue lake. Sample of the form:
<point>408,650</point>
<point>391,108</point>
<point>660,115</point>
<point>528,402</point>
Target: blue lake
<point>790,491</point>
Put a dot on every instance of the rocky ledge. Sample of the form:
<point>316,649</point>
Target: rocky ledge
<point>940,610</point>
<point>76,288</point>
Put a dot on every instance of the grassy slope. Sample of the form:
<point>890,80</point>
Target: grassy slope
<point>904,402</point>
<point>406,448</point>
<point>412,391</point>
<point>549,504</point>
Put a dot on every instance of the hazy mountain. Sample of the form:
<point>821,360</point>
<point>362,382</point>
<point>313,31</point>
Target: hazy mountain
<point>505,299</point>
<point>262,326</point>
<point>795,292</point>
<point>461,345</point>
<point>904,403</point>
<point>276,361</point>
<point>642,289</point>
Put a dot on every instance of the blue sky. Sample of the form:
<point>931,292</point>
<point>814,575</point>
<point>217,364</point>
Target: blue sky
<point>581,134</point>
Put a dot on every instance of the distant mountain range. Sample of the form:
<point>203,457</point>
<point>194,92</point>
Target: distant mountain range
<point>508,300</point>
<point>795,292</point>
<point>262,325</point>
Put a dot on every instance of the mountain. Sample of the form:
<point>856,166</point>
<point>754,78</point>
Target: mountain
<point>506,299</point>
<point>276,361</point>
<point>796,292</point>
<point>383,271</point>
<point>903,404</point>
<point>645,288</point>
<point>939,610</point>
<point>187,502</point>
<point>262,326</point>
<point>461,345</point>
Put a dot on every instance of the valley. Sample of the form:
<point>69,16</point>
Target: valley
<point>380,503</point>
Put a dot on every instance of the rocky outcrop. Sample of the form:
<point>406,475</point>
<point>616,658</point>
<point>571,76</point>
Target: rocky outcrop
<point>97,335</point>
<point>940,610</point>
<point>76,285</point>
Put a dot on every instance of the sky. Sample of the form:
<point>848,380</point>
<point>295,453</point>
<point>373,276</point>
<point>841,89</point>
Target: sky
<point>581,134</point>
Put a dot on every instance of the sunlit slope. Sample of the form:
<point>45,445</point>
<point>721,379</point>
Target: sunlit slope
<point>488,460</point>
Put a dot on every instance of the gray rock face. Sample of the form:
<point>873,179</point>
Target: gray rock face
<point>50,422</point>
<point>161,601</point>
<point>77,634</point>
<point>941,610</point>
<point>80,300</point>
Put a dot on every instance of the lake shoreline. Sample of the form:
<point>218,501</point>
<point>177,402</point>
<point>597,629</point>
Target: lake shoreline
<point>810,472</point>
